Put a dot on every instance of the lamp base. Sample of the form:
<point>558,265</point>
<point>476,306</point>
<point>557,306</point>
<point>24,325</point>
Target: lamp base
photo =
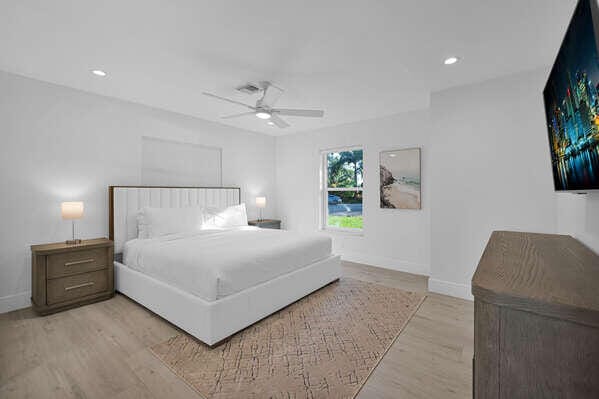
<point>73,242</point>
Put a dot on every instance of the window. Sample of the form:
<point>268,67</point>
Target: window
<point>342,189</point>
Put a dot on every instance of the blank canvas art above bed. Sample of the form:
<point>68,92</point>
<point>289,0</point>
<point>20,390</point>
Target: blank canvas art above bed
<point>168,163</point>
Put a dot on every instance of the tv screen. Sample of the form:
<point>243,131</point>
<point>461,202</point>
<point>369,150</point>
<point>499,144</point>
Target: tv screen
<point>572,104</point>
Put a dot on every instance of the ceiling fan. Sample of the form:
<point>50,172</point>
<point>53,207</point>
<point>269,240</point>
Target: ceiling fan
<point>264,108</point>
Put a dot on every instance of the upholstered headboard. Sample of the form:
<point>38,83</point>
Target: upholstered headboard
<point>126,201</point>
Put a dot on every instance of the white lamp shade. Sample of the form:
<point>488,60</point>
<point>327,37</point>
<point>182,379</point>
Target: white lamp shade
<point>261,202</point>
<point>72,210</point>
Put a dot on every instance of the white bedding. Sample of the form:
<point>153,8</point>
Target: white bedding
<point>213,264</point>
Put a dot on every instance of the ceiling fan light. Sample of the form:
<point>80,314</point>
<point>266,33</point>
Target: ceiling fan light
<point>263,115</point>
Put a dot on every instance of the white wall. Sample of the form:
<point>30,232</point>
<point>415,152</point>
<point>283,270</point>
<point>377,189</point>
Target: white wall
<point>61,144</point>
<point>484,157</point>
<point>485,166</point>
<point>491,171</point>
<point>392,238</point>
<point>578,215</point>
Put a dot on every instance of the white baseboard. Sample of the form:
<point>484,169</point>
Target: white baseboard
<point>14,302</point>
<point>387,263</point>
<point>449,288</point>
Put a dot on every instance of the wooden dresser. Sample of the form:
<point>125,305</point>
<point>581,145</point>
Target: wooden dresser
<point>536,318</point>
<point>64,276</point>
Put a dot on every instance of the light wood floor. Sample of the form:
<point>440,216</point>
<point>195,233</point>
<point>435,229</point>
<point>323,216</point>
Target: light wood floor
<point>100,350</point>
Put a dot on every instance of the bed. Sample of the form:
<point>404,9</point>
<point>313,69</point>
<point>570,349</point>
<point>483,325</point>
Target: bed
<point>214,282</point>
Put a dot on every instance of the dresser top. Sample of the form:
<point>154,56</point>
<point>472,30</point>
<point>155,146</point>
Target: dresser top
<point>553,275</point>
<point>56,247</point>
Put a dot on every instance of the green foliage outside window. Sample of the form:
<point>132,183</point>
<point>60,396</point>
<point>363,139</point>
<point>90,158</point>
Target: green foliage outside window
<point>345,169</point>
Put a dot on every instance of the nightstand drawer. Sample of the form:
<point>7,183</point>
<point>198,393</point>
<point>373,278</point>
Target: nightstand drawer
<point>75,262</point>
<point>266,223</point>
<point>77,286</point>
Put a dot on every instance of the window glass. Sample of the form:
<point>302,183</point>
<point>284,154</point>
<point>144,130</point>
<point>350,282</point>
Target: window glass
<point>343,192</point>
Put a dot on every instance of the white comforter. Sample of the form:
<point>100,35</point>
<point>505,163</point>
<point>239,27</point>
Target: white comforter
<point>215,263</point>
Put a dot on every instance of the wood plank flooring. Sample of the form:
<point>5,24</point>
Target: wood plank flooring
<point>100,350</point>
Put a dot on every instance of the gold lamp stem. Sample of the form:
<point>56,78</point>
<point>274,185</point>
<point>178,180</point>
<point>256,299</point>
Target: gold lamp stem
<point>74,241</point>
<point>72,211</point>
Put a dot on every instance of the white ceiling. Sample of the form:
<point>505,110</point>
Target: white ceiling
<point>355,59</point>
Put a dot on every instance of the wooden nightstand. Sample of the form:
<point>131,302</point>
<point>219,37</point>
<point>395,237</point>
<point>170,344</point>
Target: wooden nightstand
<point>65,276</point>
<point>266,223</point>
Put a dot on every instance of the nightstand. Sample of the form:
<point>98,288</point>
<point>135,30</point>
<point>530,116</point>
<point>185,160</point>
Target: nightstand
<point>266,223</point>
<point>64,276</point>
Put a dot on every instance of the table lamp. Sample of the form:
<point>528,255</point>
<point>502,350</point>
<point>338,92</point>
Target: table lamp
<point>261,204</point>
<point>72,211</point>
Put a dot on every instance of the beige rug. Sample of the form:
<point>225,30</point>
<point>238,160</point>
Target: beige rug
<point>323,346</point>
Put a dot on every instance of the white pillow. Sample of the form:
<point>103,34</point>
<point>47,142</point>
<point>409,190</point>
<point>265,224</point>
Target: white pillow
<point>156,222</point>
<point>232,216</point>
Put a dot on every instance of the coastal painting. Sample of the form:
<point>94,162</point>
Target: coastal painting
<point>400,179</point>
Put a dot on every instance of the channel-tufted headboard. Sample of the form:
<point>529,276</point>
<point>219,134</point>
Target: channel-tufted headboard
<point>126,201</point>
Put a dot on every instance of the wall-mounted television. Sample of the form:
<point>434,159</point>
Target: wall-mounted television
<point>572,104</point>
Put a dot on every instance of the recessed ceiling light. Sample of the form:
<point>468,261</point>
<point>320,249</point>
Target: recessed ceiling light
<point>99,72</point>
<point>271,123</point>
<point>451,60</point>
<point>263,115</point>
<point>392,155</point>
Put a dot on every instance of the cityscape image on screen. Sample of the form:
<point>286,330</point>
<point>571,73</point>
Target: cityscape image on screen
<point>572,105</point>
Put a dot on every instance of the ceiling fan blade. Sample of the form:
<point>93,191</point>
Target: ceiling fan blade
<point>228,100</point>
<point>311,113</point>
<point>237,115</point>
<point>278,121</point>
<point>271,95</point>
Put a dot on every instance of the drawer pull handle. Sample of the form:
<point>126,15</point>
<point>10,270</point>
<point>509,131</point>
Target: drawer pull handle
<point>73,287</point>
<point>79,262</point>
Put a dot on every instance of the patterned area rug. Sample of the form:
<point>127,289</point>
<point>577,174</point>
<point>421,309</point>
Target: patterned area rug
<point>322,346</point>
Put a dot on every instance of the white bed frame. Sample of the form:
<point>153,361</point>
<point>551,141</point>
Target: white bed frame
<point>210,322</point>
